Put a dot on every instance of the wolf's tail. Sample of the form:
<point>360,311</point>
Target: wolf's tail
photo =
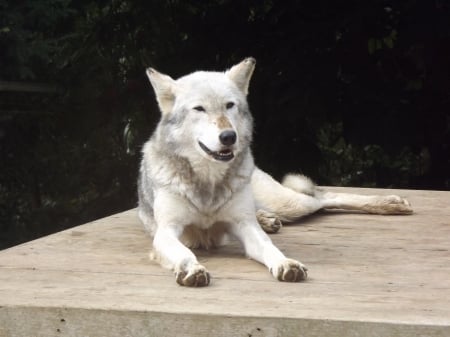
<point>299,183</point>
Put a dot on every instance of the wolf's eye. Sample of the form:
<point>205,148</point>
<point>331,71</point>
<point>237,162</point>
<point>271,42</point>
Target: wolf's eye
<point>199,108</point>
<point>229,105</point>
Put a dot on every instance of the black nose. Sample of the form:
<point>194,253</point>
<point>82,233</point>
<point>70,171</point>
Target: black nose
<point>227,137</point>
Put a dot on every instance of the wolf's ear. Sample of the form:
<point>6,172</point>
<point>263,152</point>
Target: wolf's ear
<point>164,87</point>
<point>241,73</point>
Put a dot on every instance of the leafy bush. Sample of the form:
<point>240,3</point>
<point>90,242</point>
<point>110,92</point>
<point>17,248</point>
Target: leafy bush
<point>350,93</point>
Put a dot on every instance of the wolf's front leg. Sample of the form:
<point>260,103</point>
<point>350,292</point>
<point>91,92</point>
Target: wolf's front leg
<point>259,247</point>
<point>172,254</point>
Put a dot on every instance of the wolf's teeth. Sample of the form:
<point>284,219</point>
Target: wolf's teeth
<point>224,155</point>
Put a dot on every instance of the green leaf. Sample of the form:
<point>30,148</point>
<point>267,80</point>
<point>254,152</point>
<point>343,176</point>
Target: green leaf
<point>371,46</point>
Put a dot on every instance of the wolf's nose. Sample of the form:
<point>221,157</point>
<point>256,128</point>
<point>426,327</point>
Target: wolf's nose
<point>227,137</point>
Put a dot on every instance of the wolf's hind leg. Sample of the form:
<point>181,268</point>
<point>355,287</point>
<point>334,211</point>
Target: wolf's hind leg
<point>280,202</point>
<point>374,204</point>
<point>269,222</point>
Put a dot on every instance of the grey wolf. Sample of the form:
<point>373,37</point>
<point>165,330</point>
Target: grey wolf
<point>198,182</point>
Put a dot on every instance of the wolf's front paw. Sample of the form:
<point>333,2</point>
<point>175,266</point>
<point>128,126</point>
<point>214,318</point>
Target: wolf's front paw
<point>290,271</point>
<point>196,276</point>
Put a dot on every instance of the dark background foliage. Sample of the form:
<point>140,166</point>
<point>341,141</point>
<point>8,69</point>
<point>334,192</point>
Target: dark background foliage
<point>352,93</point>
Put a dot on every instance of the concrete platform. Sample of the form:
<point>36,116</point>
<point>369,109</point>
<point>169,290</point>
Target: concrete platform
<point>369,276</point>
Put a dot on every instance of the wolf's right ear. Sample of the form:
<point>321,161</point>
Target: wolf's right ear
<point>164,87</point>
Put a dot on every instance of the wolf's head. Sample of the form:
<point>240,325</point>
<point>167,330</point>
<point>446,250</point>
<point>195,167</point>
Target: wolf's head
<point>205,114</point>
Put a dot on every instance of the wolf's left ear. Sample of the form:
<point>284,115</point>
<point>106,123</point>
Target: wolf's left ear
<point>241,73</point>
<point>164,87</point>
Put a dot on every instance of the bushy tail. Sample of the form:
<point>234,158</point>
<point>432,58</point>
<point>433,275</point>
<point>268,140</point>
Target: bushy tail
<point>299,183</point>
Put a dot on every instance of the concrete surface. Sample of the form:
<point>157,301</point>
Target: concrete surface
<point>369,275</point>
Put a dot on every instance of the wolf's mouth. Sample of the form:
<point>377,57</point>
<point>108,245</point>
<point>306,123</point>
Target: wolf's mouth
<point>223,155</point>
